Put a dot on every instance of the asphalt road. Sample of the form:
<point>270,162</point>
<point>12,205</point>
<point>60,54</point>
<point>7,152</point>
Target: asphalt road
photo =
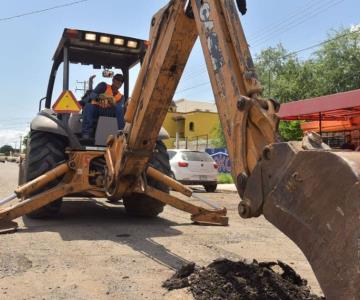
<point>93,250</point>
<point>8,178</point>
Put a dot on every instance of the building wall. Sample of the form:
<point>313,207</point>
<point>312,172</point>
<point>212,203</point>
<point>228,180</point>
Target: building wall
<point>196,124</point>
<point>169,124</point>
<point>204,123</point>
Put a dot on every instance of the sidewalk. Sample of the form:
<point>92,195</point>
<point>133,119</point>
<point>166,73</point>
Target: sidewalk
<point>229,187</point>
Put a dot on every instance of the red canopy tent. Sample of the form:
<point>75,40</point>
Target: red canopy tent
<point>342,109</point>
<point>341,106</point>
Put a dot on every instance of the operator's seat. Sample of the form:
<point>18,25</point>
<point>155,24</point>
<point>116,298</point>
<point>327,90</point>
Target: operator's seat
<point>75,123</point>
<point>105,127</point>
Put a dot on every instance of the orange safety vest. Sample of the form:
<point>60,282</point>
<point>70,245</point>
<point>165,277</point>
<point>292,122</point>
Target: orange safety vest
<point>109,92</point>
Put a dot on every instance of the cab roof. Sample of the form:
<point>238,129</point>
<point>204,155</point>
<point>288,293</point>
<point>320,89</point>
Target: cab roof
<point>100,49</point>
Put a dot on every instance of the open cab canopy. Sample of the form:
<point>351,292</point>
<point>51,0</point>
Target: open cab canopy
<point>101,50</point>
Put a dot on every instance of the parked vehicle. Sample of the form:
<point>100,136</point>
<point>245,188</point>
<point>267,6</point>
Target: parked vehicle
<point>2,157</point>
<point>10,158</point>
<point>194,168</point>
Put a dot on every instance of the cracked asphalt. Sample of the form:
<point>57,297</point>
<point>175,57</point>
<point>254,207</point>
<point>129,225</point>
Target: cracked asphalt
<point>93,250</point>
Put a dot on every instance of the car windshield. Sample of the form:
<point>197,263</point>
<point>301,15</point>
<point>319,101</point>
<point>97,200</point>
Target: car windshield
<point>195,156</point>
<point>171,154</point>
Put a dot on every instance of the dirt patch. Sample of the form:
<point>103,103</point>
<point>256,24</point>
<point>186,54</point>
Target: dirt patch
<point>225,279</point>
<point>13,264</point>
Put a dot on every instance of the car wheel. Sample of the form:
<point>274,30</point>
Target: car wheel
<point>210,188</point>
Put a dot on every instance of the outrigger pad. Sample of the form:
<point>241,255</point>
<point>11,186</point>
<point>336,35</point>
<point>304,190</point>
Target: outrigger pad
<point>8,227</point>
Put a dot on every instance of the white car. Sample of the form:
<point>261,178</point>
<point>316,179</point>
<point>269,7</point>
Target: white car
<point>194,168</point>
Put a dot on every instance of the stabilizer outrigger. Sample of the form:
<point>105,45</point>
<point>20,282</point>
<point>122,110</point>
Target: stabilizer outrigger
<point>75,176</point>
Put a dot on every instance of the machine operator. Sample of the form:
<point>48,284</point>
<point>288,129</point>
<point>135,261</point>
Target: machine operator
<point>105,100</point>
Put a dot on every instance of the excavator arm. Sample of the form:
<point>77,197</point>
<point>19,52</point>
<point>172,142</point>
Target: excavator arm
<point>306,190</point>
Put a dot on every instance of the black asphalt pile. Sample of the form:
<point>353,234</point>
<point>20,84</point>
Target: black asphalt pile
<point>225,279</point>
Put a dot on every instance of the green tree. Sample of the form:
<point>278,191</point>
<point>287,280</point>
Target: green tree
<point>6,149</point>
<point>290,130</point>
<point>334,68</point>
<point>283,76</point>
<point>338,62</point>
<point>219,140</point>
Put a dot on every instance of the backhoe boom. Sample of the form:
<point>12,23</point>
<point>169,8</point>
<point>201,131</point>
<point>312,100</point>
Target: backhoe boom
<point>301,201</point>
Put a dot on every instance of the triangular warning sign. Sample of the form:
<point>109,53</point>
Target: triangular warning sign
<point>66,103</point>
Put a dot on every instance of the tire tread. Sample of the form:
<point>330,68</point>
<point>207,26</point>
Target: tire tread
<point>45,151</point>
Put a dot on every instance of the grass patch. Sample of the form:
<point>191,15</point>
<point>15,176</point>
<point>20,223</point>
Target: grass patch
<point>225,178</point>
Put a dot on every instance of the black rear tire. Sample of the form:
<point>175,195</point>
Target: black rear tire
<point>45,151</point>
<point>210,188</point>
<point>22,168</point>
<point>144,206</point>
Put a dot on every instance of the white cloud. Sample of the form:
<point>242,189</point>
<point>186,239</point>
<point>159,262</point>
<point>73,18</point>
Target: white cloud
<point>11,136</point>
<point>355,28</point>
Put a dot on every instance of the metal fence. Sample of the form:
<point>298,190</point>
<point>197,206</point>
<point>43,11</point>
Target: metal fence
<point>198,143</point>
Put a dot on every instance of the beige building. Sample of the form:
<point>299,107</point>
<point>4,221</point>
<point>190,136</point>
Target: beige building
<point>191,124</point>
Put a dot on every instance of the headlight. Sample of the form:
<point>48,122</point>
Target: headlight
<point>90,36</point>
<point>132,44</point>
<point>119,42</point>
<point>104,39</point>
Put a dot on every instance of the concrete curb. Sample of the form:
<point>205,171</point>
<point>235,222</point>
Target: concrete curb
<point>228,188</point>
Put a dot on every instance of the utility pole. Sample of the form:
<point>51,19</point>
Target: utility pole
<point>20,144</point>
<point>269,82</point>
<point>84,84</point>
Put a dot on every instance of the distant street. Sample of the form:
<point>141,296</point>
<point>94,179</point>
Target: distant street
<point>8,178</point>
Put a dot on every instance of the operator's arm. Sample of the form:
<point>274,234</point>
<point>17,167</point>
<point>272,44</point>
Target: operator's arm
<point>94,94</point>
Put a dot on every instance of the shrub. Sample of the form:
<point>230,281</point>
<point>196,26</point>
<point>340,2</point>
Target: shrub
<point>225,178</point>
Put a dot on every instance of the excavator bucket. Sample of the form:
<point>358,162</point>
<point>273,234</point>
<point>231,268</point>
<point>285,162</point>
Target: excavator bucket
<point>321,214</point>
<point>313,196</point>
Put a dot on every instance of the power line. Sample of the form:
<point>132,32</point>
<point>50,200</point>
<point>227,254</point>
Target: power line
<point>287,55</point>
<point>295,23</point>
<point>183,94</point>
<point>193,87</point>
<point>322,43</point>
<point>193,74</point>
<point>42,10</point>
<point>303,17</point>
<point>291,17</point>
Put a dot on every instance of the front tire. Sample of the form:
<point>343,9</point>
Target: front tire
<point>45,152</point>
<point>145,206</point>
<point>22,168</point>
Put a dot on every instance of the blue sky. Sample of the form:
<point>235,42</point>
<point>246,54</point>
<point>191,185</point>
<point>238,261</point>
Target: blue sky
<point>29,42</point>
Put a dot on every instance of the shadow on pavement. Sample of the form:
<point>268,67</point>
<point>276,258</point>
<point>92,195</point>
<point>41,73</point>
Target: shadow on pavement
<point>95,220</point>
